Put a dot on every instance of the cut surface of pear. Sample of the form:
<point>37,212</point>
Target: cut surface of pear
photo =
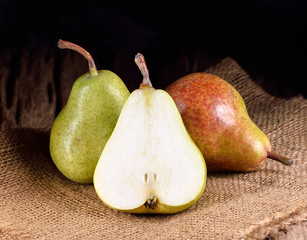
<point>150,164</point>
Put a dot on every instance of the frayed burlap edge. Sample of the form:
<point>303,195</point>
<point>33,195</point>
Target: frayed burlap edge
<point>279,222</point>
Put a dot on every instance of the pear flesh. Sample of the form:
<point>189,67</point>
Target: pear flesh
<point>150,164</point>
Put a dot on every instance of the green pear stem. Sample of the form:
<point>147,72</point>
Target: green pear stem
<point>279,158</point>
<point>140,62</point>
<point>69,45</point>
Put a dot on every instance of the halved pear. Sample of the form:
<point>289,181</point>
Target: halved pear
<point>150,163</point>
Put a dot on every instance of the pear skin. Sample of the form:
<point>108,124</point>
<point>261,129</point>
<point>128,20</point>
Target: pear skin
<point>82,128</point>
<point>216,117</point>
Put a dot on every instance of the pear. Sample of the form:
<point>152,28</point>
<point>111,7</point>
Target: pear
<point>150,163</point>
<point>82,128</point>
<point>216,117</point>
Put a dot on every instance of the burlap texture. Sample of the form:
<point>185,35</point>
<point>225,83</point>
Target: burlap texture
<point>37,202</point>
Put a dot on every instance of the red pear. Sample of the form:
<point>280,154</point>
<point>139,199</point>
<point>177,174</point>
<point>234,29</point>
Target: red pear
<point>216,118</point>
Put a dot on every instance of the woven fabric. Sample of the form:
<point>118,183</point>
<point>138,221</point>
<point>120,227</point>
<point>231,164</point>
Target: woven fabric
<point>37,202</point>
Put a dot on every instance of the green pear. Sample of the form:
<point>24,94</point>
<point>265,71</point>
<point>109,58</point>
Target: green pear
<point>158,169</point>
<point>82,128</point>
<point>216,117</point>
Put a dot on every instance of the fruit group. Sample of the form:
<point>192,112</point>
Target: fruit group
<point>82,128</point>
<point>215,116</point>
<point>150,164</point>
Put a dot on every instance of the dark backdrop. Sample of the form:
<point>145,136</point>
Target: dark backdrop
<point>266,37</point>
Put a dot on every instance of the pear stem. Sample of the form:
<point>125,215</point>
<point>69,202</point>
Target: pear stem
<point>69,45</point>
<point>140,62</point>
<point>279,158</point>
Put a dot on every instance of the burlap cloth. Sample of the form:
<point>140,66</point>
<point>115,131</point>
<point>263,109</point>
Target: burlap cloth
<point>37,202</point>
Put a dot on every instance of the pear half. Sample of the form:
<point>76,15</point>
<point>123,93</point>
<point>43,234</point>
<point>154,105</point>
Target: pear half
<point>150,163</point>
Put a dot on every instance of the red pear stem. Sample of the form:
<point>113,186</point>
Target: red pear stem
<point>279,158</point>
<point>140,62</point>
<point>69,45</point>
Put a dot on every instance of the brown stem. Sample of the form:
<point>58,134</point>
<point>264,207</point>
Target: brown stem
<point>279,158</point>
<point>140,62</point>
<point>69,45</point>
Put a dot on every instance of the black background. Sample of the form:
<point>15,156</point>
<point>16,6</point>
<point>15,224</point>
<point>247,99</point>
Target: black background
<point>266,37</point>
